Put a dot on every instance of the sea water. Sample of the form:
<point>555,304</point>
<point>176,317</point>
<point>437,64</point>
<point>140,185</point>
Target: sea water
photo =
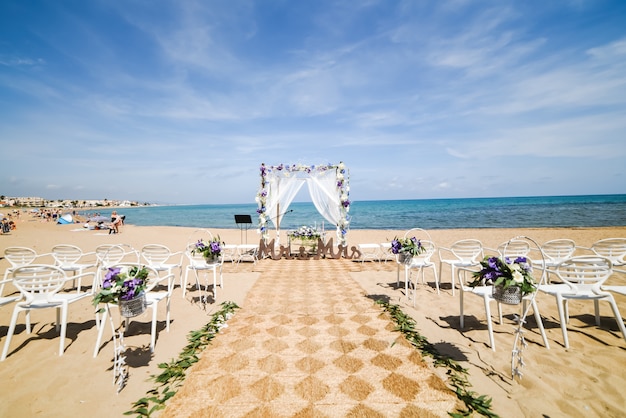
<point>503,212</point>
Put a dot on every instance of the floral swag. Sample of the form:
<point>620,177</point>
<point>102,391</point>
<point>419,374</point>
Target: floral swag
<point>341,186</point>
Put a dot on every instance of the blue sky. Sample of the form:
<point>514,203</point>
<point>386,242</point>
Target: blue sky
<point>181,101</point>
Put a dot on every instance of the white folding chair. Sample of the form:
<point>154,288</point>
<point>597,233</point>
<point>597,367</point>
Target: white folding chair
<point>582,279</point>
<point>463,253</point>
<point>196,263</point>
<point>39,285</point>
<point>70,258</point>
<point>161,258</point>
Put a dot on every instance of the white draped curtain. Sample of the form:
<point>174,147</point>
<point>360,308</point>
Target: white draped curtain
<point>282,191</point>
<point>323,191</point>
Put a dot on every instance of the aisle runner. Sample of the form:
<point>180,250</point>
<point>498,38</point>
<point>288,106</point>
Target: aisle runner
<point>308,343</point>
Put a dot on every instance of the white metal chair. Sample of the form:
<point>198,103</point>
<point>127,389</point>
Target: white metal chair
<point>70,258</point>
<point>196,262</point>
<point>614,249</point>
<point>463,253</point>
<point>247,252</point>
<point>582,278</point>
<point>514,248</point>
<point>486,294</point>
<point>369,251</point>
<point>421,235</point>
<point>40,285</point>
<point>385,252</point>
<point>19,257</point>
<point>229,253</point>
<point>161,258</point>
<point>420,263</point>
<point>154,295</point>
<point>554,252</point>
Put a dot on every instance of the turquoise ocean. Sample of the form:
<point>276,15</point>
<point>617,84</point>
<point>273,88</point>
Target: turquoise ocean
<point>504,212</point>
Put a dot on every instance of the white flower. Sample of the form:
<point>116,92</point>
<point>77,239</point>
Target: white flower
<point>339,176</point>
<point>341,166</point>
<point>518,277</point>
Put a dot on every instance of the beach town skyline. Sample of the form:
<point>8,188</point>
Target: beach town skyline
<point>420,100</point>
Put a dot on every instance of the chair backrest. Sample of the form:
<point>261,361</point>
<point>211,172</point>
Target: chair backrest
<point>514,248</point>
<point>155,254</point>
<point>38,281</point>
<point>66,254</point>
<point>468,250</point>
<point>585,272</point>
<point>558,250</point>
<point>612,248</point>
<point>419,233</point>
<point>20,256</point>
<point>109,254</point>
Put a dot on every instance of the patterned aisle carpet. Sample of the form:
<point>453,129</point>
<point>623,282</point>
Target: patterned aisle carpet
<point>307,342</point>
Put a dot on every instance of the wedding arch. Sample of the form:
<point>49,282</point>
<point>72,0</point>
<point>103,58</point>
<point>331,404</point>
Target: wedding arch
<point>328,186</point>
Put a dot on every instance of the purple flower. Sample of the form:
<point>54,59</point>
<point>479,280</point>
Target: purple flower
<point>215,247</point>
<point>110,278</point>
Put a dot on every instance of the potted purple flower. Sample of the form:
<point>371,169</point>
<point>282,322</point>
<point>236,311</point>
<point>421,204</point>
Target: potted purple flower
<point>210,250</point>
<point>511,278</point>
<point>406,248</point>
<point>125,287</point>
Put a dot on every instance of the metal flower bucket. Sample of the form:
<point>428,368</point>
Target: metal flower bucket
<point>133,307</point>
<point>512,295</point>
<point>405,258</point>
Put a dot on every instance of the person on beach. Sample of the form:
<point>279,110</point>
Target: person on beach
<point>116,222</point>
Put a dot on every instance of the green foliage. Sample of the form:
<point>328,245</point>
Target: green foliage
<point>457,375</point>
<point>174,372</point>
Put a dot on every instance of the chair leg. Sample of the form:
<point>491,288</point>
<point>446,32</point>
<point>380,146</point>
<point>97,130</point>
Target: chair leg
<point>167,314</point>
<point>596,311</point>
<point>562,307</point>
<point>492,341</point>
<point>618,316</point>
<point>436,277</point>
<point>153,328</point>
<point>540,323</point>
<point>183,284</point>
<point>63,312</point>
<point>100,331</point>
<point>452,278</point>
<point>57,325</point>
<point>10,332</point>
<point>462,318</point>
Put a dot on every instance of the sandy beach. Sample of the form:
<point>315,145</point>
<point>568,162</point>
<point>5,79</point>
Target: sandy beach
<point>585,380</point>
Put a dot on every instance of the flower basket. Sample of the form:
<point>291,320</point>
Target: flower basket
<point>512,295</point>
<point>133,307</point>
<point>405,258</point>
<point>212,258</point>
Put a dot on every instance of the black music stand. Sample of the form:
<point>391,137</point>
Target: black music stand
<point>243,221</point>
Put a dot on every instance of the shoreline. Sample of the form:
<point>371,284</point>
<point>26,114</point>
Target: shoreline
<point>589,386</point>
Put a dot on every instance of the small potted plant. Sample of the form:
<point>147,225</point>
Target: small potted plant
<point>124,286</point>
<point>210,250</point>
<point>511,278</point>
<point>406,248</point>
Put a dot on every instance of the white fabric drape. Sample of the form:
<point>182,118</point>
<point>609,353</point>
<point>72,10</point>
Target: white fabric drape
<point>323,191</point>
<point>282,191</point>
